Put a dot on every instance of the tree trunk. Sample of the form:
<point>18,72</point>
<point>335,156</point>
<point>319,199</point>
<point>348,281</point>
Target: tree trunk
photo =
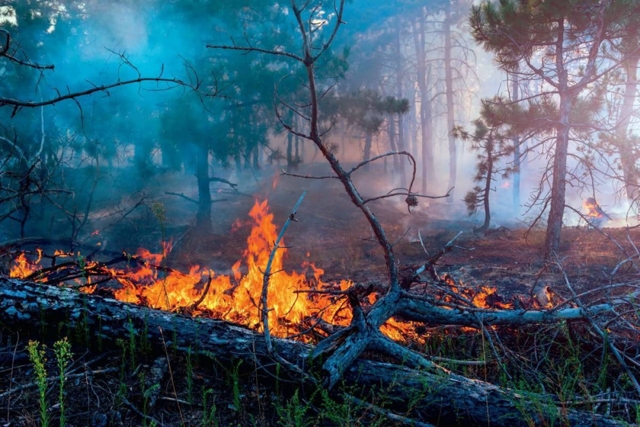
<point>366,155</point>
<point>392,142</point>
<point>559,180</point>
<point>448,67</point>
<point>515,96</point>
<point>256,158</point>
<point>399,80</point>
<point>426,119</point>
<point>45,311</point>
<point>412,125</point>
<point>203,217</point>
<point>627,156</point>
<point>487,187</point>
<point>289,152</point>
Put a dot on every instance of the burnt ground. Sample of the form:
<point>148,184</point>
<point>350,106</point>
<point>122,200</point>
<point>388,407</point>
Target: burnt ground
<point>106,389</point>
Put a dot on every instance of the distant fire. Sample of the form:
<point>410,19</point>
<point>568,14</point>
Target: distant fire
<point>594,213</point>
<point>295,301</point>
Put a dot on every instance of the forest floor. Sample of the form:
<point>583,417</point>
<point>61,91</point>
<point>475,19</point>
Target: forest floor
<point>112,388</point>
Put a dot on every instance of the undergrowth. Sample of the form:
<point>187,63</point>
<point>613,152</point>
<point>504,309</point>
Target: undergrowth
<point>120,387</point>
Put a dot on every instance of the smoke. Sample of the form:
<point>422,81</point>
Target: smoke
<point>116,41</point>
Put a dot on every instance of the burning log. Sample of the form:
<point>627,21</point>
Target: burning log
<point>447,398</point>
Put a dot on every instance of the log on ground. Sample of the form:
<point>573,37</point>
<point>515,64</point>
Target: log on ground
<point>444,399</point>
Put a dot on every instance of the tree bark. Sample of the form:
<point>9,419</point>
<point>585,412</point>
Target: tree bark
<point>366,155</point>
<point>559,179</point>
<point>392,142</point>
<point>517,159</point>
<point>425,114</point>
<point>203,217</point>
<point>442,397</point>
<point>399,89</point>
<point>448,67</point>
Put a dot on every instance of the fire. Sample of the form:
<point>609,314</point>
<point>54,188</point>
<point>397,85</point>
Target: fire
<point>593,208</point>
<point>237,297</point>
<point>489,298</point>
<point>295,300</point>
<point>595,215</point>
<point>23,267</point>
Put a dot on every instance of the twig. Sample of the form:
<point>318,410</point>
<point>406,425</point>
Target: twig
<point>431,261</point>
<point>205,291</point>
<point>267,274</point>
<point>56,378</point>
<point>394,417</point>
<point>13,360</point>
<point>173,384</point>
<point>181,195</point>
<point>619,357</point>
<point>422,243</point>
<point>140,413</point>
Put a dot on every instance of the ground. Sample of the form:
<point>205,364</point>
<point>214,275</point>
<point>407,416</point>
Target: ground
<point>112,387</point>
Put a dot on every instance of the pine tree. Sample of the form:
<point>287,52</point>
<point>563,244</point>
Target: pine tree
<point>558,44</point>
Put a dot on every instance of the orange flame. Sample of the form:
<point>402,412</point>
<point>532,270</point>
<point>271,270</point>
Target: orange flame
<point>236,297</point>
<point>489,298</point>
<point>23,267</point>
<point>593,208</point>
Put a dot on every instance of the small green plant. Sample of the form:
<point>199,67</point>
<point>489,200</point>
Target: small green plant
<point>189,376</point>
<point>83,329</point>
<point>82,264</point>
<point>336,412</point>
<point>37,358</point>
<point>294,412</point>
<point>62,351</point>
<point>132,344</point>
<point>122,389</point>
<point>146,395</point>
<point>209,418</point>
<point>145,345</point>
<point>235,382</point>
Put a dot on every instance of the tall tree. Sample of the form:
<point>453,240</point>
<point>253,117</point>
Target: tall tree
<point>557,42</point>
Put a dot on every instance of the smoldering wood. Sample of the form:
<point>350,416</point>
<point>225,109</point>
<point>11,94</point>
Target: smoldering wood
<point>447,397</point>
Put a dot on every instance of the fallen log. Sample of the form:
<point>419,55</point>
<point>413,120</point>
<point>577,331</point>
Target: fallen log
<point>438,397</point>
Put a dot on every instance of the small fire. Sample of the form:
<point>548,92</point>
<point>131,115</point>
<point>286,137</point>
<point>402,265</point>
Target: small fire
<point>489,298</point>
<point>595,214</point>
<point>23,267</point>
<point>593,209</point>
